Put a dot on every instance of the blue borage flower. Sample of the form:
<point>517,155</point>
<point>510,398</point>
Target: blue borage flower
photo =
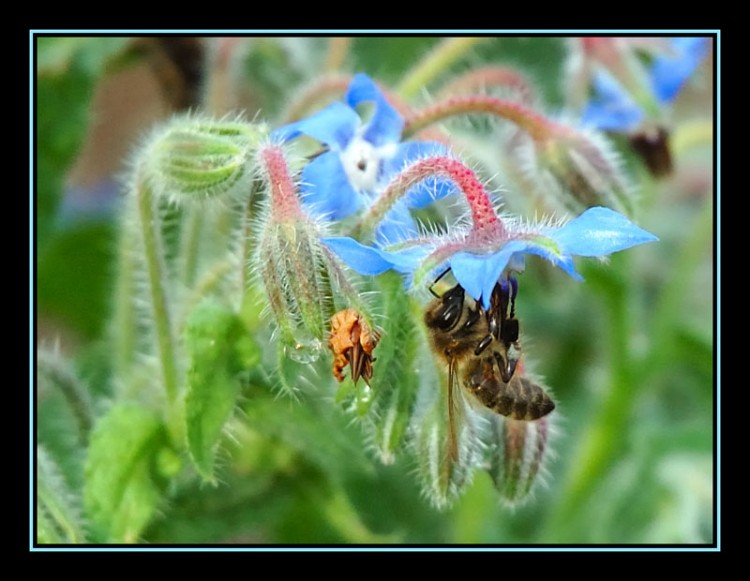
<point>361,158</point>
<point>597,232</point>
<point>613,108</point>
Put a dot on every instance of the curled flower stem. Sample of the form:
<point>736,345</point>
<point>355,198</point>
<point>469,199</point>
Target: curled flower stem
<point>537,126</point>
<point>190,244</point>
<point>329,86</point>
<point>490,76</point>
<point>483,213</point>
<point>124,333</point>
<point>436,61</point>
<point>154,254</point>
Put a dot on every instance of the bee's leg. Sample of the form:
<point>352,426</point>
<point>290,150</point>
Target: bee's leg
<point>506,364</point>
<point>513,295</point>
<point>483,344</point>
<point>510,330</point>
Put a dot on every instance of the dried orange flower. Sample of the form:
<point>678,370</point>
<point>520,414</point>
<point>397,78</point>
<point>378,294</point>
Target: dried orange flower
<point>352,342</point>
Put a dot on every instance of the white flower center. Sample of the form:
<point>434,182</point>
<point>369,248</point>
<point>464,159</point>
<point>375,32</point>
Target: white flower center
<point>361,161</point>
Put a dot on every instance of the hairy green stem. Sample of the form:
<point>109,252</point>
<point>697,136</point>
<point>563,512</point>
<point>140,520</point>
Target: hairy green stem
<point>154,255</point>
<point>190,236</point>
<point>124,331</point>
<point>435,62</point>
<point>479,79</point>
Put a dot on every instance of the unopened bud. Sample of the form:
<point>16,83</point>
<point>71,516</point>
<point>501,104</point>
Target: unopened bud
<point>293,270</point>
<point>516,452</point>
<point>446,446</point>
<point>293,264</point>
<point>194,159</point>
<point>576,170</point>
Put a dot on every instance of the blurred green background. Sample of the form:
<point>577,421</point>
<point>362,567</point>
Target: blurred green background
<point>629,354</point>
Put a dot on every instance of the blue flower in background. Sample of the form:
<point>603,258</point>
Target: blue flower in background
<point>596,232</point>
<point>613,108</point>
<point>360,158</point>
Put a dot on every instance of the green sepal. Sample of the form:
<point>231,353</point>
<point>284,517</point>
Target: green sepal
<point>514,455</point>
<point>394,382</point>
<point>193,158</point>
<point>444,464</point>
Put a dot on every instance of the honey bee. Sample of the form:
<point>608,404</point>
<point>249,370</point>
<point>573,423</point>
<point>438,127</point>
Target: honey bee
<point>482,351</point>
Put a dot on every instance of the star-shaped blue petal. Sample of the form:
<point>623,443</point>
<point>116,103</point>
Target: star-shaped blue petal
<point>386,123</point>
<point>327,187</point>
<point>334,126</point>
<point>598,231</point>
<point>612,108</point>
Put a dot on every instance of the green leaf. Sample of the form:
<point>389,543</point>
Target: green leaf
<point>123,487</point>
<point>216,342</point>
<point>58,515</point>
